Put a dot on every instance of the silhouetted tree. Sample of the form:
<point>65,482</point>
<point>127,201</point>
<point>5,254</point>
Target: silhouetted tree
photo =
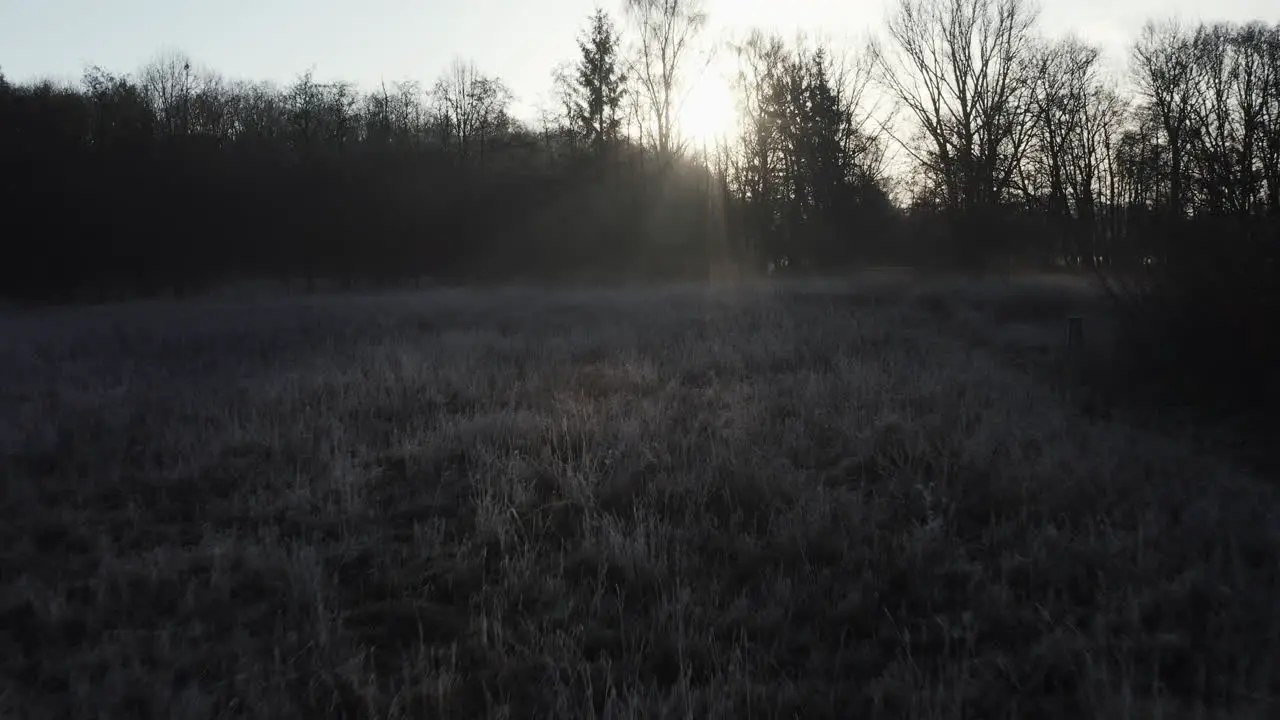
<point>807,175</point>
<point>1078,117</point>
<point>122,117</point>
<point>1164,66</point>
<point>665,32</point>
<point>599,85</point>
<point>472,109</point>
<point>963,70</point>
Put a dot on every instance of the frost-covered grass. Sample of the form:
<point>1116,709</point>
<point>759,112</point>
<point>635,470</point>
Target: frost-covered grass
<point>793,500</point>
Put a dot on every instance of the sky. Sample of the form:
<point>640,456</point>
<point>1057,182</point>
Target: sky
<point>521,41</point>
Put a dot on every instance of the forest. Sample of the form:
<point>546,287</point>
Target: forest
<point>1022,152</point>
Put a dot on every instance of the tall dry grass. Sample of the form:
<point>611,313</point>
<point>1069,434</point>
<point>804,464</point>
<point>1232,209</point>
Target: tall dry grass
<point>776,501</point>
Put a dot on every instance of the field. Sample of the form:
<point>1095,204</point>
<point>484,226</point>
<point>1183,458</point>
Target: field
<point>818,500</point>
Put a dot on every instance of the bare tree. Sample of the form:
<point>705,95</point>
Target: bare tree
<point>1164,69</point>
<point>1214,138</point>
<point>211,107</point>
<point>758,163</point>
<point>1060,88</point>
<point>1077,119</point>
<point>1255,85</point>
<point>376,115</point>
<point>122,115</point>
<point>260,113</point>
<point>1090,167</point>
<point>962,70</point>
<point>303,103</point>
<point>472,107</point>
<point>1228,118</point>
<point>170,83</point>
<point>666,30</point>
<point>1269,85</point>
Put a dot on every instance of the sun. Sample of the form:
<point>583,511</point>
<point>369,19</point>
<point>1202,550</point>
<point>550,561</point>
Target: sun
<point>709,113</point>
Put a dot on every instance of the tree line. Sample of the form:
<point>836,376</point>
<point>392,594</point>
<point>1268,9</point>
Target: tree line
<point>1022,151</point>
<point>1009,122</point>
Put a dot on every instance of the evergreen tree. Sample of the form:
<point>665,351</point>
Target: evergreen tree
<point>599,85</point>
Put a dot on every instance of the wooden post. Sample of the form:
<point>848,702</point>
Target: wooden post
<point>1074,356</point>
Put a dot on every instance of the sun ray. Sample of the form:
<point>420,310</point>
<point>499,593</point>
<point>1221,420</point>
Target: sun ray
<point>709,113</point>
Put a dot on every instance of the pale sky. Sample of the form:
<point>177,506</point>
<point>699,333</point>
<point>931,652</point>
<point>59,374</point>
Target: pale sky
<point>367,41</point>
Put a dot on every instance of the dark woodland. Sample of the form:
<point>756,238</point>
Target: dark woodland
<point>172,178</point>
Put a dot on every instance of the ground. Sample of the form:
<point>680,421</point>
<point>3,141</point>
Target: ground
<point>871,498</point>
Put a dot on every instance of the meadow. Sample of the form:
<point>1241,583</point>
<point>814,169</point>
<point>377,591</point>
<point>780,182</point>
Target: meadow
<point>842,499</point>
